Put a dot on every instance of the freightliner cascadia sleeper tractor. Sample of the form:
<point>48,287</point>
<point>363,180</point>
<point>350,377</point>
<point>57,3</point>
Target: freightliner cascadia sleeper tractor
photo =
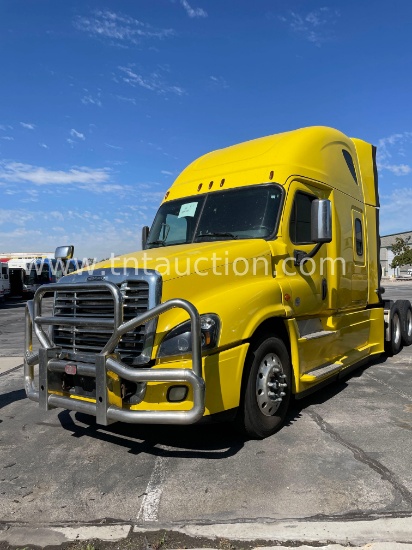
<point>259,280</point>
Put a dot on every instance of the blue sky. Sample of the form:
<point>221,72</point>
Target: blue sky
<point>102,104</point>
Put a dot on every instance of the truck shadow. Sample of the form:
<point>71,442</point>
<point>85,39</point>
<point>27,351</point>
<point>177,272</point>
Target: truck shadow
<point>13,303</point>
<point>328,392</point>
<point>11,397</point>
<point>207,441</point>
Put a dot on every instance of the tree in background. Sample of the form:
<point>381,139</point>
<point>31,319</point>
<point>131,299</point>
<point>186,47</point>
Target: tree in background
<point>402,252</point>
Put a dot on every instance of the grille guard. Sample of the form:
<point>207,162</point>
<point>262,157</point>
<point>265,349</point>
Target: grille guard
<point>48,360</point>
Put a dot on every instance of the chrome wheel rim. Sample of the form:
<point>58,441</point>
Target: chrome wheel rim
<point>396,328</point>
<point>409,323</point>
<point>270,384</point>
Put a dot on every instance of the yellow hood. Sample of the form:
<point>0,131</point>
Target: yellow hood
<point>181,260</point>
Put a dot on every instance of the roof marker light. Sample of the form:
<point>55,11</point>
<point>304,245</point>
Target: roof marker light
<point>272,173</point>
<point>211,185</point>
<point>199,186</point>
<point>222,183</point>
<point>167,194</point>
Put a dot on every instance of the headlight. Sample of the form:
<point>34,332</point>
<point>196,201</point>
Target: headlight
<point>179,340</point>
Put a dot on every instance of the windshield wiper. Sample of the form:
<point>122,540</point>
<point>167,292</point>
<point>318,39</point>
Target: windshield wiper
<point>217,234</point>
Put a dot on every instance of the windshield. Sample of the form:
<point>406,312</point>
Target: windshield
<point>246,213</point>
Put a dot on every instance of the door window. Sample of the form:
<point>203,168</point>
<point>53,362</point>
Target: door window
<point>300,220</point>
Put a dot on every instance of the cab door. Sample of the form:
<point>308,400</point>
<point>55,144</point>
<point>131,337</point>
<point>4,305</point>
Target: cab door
<point>308,280</point>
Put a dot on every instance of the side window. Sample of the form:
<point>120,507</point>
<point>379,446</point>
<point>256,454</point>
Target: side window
<point>358,237</point>
<point>300,220</point>
<point>349,161</point>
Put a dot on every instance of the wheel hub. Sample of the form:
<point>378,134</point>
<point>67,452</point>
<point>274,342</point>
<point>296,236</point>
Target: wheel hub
<point>270,384</point>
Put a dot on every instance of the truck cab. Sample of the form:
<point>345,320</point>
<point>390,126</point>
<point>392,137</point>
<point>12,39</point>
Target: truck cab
<point>258,280</point>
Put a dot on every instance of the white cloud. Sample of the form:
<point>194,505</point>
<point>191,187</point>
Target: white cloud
<point>15,217</point>
<point>395,211</point>
<point>75,134</point>
<point>121,190</point>
<point>16,172</point>
<point>385,148</point>
<point>391,149</point>
<point>314,26</point>
<point>193,12</point>
<point>90,100</point>
<point>7,138</point>
<point>153,82</point>
<point>43,145</point>
<point>397,169</point>
<point>219,82</point>
<point>119,27</point>
<point>27,125</point>
<point>126,99</point>
<point>166,172</point>
<point>113,146</point>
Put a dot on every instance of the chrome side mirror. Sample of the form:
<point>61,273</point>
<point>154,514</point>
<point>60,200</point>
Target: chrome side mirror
<point>321,218</point>
<point>64,252</point>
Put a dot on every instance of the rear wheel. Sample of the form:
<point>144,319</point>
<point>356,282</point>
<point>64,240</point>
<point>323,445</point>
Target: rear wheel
<point>268,389</point>
<point>394,345</point>
<point>406,322</point>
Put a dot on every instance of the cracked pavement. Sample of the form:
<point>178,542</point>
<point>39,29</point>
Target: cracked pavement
<point>345,453</point>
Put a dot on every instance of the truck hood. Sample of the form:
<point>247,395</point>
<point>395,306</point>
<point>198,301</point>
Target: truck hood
<point>182,260</point>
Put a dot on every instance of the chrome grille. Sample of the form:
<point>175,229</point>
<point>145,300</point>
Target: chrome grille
<point>85,304</point>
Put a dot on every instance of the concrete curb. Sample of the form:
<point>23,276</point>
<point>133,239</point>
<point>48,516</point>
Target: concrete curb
<point>377,534</point>
<point>388,530</point>
<point>53,536</point>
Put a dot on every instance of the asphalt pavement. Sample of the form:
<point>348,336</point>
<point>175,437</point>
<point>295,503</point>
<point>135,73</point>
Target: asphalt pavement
<point>339,471</point>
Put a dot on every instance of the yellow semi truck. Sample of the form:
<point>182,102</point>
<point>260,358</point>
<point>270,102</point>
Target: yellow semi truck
<point>259,280</point>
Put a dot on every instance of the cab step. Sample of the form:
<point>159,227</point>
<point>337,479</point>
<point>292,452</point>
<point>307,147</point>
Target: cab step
<point>321,372</point>
<point>318,334</point>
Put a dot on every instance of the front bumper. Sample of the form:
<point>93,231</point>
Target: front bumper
<point>49,360</point>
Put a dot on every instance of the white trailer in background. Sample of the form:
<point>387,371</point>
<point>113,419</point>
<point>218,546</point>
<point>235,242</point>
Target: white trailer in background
<point>4,280</point>
<point>18,264</point>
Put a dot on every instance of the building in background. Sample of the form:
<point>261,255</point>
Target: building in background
<point>387,255</point>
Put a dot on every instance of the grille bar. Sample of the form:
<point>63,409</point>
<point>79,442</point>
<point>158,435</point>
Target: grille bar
<point>77,307</point>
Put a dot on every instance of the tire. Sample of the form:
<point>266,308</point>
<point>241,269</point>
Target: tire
<point>263,407</point>
<point>406,321</point>
<point>394,345</point>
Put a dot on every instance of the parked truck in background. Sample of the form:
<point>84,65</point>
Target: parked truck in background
<point>48,270</point>
<point>259,280</point>
<point>16,266</point>
<point>4,281</point>
<point>4,268</point>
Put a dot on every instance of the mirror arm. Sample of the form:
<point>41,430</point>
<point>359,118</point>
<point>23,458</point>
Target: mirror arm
<point>301,256</point>
<point>145,234</point>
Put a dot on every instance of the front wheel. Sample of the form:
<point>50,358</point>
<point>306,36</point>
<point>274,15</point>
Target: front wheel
<point>268,389</point>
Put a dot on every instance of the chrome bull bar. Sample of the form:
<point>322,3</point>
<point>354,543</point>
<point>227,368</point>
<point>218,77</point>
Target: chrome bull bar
<point>49,360</point>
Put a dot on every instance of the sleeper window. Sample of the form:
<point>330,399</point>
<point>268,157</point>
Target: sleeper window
<point>358,237</point>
